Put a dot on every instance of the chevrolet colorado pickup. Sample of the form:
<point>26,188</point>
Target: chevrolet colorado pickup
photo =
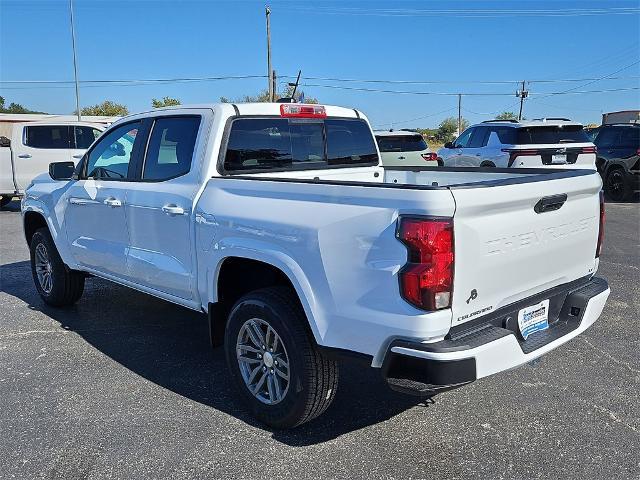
<point>278,221</point>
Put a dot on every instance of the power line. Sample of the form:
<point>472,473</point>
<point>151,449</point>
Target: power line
<point>466,13</point>
<point>417,118</point>
<point>149,81</point>
<point>453,94</point>
<point>143,80</point>
<point>592,82</point>
<point>457,82</point>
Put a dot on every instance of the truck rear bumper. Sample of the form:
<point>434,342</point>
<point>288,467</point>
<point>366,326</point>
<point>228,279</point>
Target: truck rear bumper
<point>495,346</point>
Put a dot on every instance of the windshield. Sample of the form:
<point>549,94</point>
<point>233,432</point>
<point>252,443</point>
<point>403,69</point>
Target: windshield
<point>401,143</point>
<point>552,134</point>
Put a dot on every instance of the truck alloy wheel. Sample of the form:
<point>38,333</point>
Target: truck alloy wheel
<point>263,361</point>
<point>43,268</point>
<point>282,376</point>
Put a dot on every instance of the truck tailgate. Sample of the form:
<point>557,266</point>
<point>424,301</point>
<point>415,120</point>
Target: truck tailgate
<point>506,249</point>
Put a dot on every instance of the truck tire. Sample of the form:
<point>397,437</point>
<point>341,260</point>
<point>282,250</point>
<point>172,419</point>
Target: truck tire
<point>280,373</point>
<point>617,185</point>
<point>5,200</point>
<point>57,285</point>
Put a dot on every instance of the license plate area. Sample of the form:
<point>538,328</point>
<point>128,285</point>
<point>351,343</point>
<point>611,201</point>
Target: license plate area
<point>559,158</point>
<point>533,318</point>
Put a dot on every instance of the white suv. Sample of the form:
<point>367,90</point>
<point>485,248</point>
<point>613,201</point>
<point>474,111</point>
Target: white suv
<point>404,148</point>
<point>547,142</point>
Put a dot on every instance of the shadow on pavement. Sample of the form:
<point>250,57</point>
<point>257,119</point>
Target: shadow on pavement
<point>168,345</point>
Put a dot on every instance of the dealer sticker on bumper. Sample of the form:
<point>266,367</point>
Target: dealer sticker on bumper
<point>534,318</point>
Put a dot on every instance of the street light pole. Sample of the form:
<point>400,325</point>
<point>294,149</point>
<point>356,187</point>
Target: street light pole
<point>75,61</point>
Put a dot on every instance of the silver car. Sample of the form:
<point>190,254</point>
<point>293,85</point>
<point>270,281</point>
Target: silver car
<point>546,142</point>
<point>404,148</point>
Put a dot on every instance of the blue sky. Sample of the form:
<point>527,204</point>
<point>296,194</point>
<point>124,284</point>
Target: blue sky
<point>458,43</point>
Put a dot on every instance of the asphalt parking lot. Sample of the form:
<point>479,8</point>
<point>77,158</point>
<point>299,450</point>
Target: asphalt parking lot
<point>123,385</point>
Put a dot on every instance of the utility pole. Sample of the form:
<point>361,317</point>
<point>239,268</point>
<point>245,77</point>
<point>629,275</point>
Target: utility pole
<point>522,94</point>
<point>274,85</point>
<point>270,70</point>
<point>75,61</point>
<point>459,114</point>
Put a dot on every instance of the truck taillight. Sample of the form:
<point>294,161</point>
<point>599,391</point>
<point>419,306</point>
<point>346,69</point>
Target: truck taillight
<point>302,111</point>
<point>601,226</point>
<point>429,157</point>
<point>426,281</point>
<point>592,149</point>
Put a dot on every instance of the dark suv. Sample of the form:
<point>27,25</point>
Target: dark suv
<point>618,159</point>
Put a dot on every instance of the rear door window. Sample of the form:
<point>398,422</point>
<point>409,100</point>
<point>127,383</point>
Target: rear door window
<point>170,149</point>
<point>264,144</point>
<point>47,136</point>
<point>401,143</point>
<point>84,136</point>
<point>551,134</point>
<point>506,135</point>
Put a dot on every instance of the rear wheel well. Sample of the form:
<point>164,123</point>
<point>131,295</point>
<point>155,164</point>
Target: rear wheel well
<point>237,277</point>
<point>32,222</point>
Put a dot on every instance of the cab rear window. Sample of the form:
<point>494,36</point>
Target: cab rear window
<point>551,134</point>
<point>401,143</point>
<point>280,144</point>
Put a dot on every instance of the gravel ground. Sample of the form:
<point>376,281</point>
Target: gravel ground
<point>123,385</point>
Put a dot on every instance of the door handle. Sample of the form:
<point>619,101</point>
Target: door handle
<point>24,155</point>
<point>173,210</point>
<point>113,202</point>
<point>79,155</point>
<point>81,201</point>
<point>478,154</point>
<point>401,158</point>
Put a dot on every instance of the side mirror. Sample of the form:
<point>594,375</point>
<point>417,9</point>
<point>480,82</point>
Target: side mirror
<point>448,145</point>
<point>5,142</point>
<point>61,170</point>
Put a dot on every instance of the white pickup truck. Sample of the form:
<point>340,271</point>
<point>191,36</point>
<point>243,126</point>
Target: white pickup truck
<point>277,221</point>
<point>34,145</point>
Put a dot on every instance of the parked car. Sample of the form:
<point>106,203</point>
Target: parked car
<point>591,132</point>
<point>278,221</point>
<point>548,143</point>
<point>619,159</point>
<point>403,148</point>
<point>33,146</point>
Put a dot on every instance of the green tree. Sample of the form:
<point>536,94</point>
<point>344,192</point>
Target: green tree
<point>106,109</point>
<point>14,108</point>
<point>165,102</point>
<point>507,116</point>
<point>448,127</point>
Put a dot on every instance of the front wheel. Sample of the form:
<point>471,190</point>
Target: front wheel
<point>57,285</point>
<point>617,185</point>
<point>280,373</point>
